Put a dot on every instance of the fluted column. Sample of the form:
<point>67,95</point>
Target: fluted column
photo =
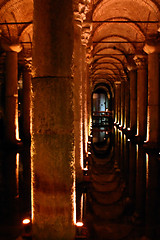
<point>11,93</point>
<point>52,139</point>
<point>141,96</point>
<point>153,134</point>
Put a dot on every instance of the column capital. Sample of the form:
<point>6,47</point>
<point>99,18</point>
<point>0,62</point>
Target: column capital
<point>131,65</point>
<point>117,83</point>
<point>86,32</point>
<point>140,60</point>
<point>11,47</point>
<point>152,46</point>
<point>80,9</point>
<point>28,64</point>
<point>78,19</point>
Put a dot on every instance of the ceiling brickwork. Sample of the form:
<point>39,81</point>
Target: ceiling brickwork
<point>118,30</point>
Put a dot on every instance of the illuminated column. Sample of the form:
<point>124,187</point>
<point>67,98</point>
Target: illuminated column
<point>141,96</point>
<point>122,102</point>
<point>78,129</point>
<point>117,102</point>
<point>89,94</point>
<point>153,128</point>
<point>133,99</point>
<point>26,103</point>
<point>84,40</point>
<point>11,94</point>
<point>127,117</point>
<point>52,139</point>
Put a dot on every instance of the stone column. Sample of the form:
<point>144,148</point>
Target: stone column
<point>117,102</point>
<point>78,130</point>
<point>52,139</point>
<point>11,94</point>
<point>122,103</point>
<point>153,134</point>
<point>141,96</point>
<point>26,103</point>
<point>85,37</point>
<point>126,107</point>
<point>133,100</point>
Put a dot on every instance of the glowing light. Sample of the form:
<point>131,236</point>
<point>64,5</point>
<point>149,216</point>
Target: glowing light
<point>74,198</point>
<point>17,173</point>
<point>79,224</point>
<point>81,207</point>
<point>32,182</point>
<point>147,169</point>
<point>89,153</point>
<point>148,120</point>
<point>128,140</point>
<point>16,121</point>
<point>85,169</point>
<point>26,221</point>
<point>128,129</point>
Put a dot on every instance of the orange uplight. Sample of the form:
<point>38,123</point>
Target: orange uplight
<point>79,224</point>
<point>26,221</point>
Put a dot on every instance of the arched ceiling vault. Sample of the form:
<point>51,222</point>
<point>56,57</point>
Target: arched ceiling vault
<point>16,24</point>
<point>120,29</point>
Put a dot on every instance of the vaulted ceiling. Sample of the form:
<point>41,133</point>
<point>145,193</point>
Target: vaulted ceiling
<point>119,30</point>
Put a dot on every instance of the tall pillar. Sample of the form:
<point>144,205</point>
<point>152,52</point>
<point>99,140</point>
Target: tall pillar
<point>78,130</point>
<point>85,37</point>
<point>117,102</point>
<point>126,107</point>
<point>122,103</point>
<point>133,99</point>
<point>26,103</point>
<point>52,139</point>
<point>11,94</point>
<point>153,134</point>
<point>141,96</point>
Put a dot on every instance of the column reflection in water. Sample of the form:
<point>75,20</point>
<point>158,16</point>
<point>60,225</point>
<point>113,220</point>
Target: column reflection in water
<point>153,196</point>
<point>14,192</point>
<point>140,184</point>
<point>132,173</point>
<point>137,176</point>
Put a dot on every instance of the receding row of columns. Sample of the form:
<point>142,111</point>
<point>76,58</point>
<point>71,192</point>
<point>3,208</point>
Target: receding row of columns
<point>11,121</point>
<point>141,116</point>
<point>55,116</point>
